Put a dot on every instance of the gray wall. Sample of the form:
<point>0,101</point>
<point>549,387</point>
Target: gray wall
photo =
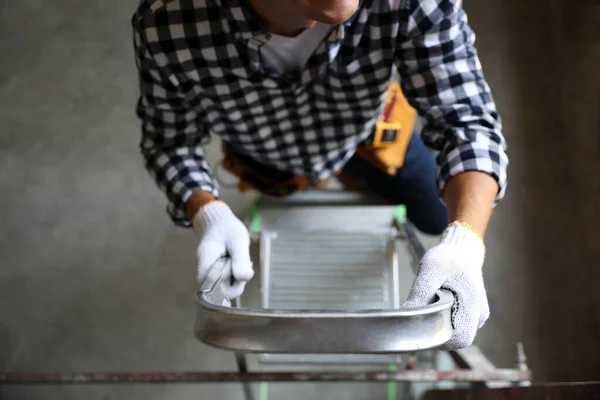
<point>95,277</point>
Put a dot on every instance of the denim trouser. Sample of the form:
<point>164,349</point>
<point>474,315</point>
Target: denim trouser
<point>414,186</point>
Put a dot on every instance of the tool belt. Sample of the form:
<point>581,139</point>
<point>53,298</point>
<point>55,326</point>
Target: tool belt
<point>385,149</point>
<point>256,176</point>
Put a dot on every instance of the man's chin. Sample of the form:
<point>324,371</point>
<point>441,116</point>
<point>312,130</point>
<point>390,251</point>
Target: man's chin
<point>332,12</point>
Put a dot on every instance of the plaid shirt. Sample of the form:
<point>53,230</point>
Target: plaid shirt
<point>201,72</point>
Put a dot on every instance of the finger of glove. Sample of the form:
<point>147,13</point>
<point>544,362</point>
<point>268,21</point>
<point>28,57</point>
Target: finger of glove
<point>239,251</point>
<point>230,286</point>
<point>207,254</point>
<point>430,278</point>
<point>232,291</point>
<point>465,320</point>
<point>485,312</point>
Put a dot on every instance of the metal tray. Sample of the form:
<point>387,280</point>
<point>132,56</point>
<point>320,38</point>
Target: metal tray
<point>375,331</point>
<point>330,279</point>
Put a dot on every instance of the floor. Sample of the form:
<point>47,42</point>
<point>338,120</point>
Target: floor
<point>94,277</point>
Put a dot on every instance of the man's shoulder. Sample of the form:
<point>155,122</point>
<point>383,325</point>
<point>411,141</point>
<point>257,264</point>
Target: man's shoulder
<point>161,13</point>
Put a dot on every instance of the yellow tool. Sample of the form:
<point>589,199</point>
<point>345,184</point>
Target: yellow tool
<point>386,148</point>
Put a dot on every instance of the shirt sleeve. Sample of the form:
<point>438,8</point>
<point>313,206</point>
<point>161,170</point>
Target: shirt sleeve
<point>442,78</point>
<point>172,135</point>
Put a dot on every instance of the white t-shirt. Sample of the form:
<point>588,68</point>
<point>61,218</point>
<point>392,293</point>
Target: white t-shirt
<point>290,54</point>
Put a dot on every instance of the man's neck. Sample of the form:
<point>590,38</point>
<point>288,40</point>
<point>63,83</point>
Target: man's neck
<point>284,31</point>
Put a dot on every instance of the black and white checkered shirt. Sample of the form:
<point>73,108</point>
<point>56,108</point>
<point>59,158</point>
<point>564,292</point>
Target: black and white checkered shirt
<point>201,73</point>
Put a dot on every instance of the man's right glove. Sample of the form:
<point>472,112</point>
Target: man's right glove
<point>455,264</point>
<point>222,234</point>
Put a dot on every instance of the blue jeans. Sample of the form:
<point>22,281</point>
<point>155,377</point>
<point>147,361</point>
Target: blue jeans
<point>414,186</point>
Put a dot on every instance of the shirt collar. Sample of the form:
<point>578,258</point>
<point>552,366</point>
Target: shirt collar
<point>339,33</point>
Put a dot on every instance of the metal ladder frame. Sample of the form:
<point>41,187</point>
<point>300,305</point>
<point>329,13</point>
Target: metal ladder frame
<point>474,367</point>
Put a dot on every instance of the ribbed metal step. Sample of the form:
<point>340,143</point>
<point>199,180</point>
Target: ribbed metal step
<point>341,270</point>
<point>329,270</point>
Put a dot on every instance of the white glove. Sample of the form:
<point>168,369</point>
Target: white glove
<point>455,264</point>
<point>222,234</point>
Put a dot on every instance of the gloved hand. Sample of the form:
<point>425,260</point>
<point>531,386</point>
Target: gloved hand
<point>222,234</point>
<point>455,264</point>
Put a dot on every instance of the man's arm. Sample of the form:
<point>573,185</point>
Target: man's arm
<point>470,198</point>
<point>173,133</point>
<point>442,78</point>
<point>172,136</point>
<point>196,201</point>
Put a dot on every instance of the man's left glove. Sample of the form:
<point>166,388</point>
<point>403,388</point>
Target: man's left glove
<point>222,235</point>
<point>455,264</point>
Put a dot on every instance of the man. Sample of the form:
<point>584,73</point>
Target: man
<point>298,85</point>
